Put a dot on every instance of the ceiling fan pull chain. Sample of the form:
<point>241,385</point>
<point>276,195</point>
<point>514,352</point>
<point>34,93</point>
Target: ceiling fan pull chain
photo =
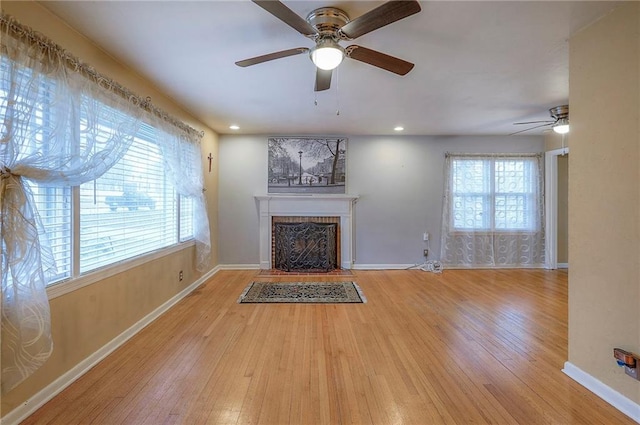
<point>337,92</point>
<point>315,98</point>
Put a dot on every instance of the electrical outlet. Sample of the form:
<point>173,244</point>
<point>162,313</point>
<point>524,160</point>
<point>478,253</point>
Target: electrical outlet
<point>180,275</point>
<point>425,253</point>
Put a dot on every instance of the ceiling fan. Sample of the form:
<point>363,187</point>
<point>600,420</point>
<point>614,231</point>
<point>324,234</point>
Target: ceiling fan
<point>327,26</point>
<point>560,122</point>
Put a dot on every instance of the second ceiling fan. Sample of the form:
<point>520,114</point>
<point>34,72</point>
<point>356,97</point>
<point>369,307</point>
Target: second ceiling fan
<point>327,26</point>
<point>559,124</point>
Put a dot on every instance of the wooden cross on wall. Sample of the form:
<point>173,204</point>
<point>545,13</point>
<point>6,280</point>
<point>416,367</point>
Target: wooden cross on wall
<point>210,157</point>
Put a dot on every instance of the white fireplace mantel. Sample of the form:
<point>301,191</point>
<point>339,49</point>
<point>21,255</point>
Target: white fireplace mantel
<point>317,205</point>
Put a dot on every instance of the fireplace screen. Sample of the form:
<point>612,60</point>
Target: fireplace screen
<point>305,246</point>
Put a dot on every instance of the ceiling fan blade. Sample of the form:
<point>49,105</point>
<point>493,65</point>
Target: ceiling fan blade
<point>385,14</point>
<point>272,56</point>
<point>533,122</point>
<point>381,60</point>
<point>530,128</point>
<point>287,16</point>
<point>323,79</point>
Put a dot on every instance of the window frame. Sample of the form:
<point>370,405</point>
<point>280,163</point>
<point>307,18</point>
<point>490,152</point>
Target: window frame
<point>71,279</point>
<point>62,287</point>
<point>77,279</point>
<point>144,139</point>
<point>489,199</point>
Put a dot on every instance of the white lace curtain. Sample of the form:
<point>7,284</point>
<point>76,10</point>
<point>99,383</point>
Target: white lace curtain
<point>184,168</point>
<point>64,148</point>
<point>493,211</point>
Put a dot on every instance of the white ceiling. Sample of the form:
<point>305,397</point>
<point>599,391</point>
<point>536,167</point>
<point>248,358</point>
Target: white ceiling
<point>479,66</point>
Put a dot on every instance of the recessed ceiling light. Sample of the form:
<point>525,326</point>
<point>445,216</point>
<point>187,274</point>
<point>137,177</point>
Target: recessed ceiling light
<point>398,128</point>
<point>234,127</point>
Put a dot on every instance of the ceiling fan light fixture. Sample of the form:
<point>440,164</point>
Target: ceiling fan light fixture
<point>562,126</point>
<point>327,54</point>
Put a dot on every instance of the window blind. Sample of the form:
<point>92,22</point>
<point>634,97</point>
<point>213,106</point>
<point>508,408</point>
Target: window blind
<point>129,211</point>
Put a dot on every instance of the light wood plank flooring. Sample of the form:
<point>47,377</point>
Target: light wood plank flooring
<point>463,347</point>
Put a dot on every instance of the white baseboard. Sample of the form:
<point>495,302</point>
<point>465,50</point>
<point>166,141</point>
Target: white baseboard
<point>515,267</point>
<point>354,266</point>
<point>239,266</point>
<point>563,265</point>
<point>608,394</point>
<point>383,266</point>
<point>41,397</point>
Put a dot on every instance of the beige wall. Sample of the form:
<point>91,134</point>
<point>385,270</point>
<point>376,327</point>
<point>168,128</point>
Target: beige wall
<point>553,140</point>
<point>85,320</point>
<point>604,196</point>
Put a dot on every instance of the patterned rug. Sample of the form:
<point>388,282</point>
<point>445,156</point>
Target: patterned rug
<point>302,292</point>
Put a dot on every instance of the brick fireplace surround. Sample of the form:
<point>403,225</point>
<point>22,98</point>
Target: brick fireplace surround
<point>320,205</point>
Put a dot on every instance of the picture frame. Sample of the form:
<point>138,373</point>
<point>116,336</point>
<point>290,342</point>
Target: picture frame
<point>307,165</point>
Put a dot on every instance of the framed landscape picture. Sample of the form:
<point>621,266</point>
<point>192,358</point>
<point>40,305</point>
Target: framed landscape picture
<point>307,165</point>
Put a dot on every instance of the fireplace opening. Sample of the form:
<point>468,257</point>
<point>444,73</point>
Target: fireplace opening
<point>306,246</point>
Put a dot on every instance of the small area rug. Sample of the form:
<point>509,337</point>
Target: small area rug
<point>302,292</point>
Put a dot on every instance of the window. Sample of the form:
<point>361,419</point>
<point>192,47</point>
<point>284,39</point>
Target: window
<point>492,214</point>
<point>186,218</point>
<point>54,207</point>
<point>497,194</point>
<point>131,210</point>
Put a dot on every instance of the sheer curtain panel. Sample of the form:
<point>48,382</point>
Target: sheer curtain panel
<point>493,212</point>
<point>41,104</point>
<point>53,110</point>
<point>181,153</point>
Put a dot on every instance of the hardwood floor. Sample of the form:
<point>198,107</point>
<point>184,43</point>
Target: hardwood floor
<point>473,346</point>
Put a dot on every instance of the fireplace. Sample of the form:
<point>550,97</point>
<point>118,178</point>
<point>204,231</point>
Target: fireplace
<point>318,208</point>
<point>305,243</point>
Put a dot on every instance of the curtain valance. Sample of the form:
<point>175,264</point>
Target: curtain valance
<point>52,57</point>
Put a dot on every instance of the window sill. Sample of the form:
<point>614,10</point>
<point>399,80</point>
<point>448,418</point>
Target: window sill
<point>493,233</point>
<point>64,287</point>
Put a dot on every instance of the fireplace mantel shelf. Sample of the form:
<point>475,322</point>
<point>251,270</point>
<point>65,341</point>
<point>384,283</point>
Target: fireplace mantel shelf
<point>326,205</point>
<point>317,196</point>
